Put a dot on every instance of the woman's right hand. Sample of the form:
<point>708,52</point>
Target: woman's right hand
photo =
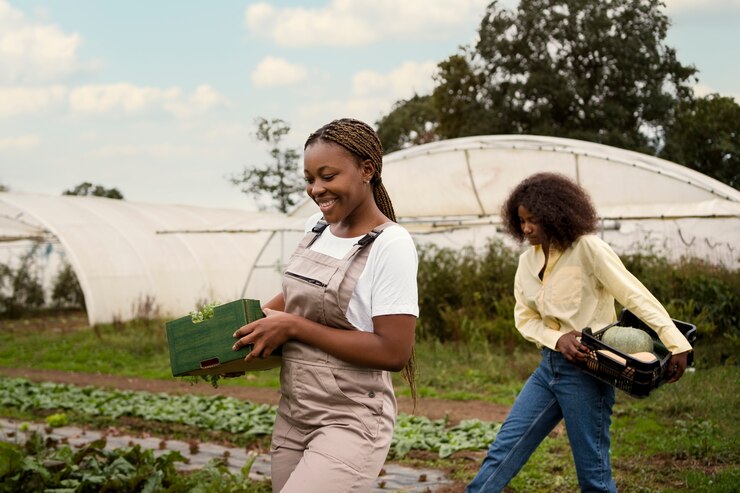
<point>265,334</point>
<point>570,346</point>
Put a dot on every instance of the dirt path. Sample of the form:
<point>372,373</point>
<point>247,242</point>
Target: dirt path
<point>431,408</point>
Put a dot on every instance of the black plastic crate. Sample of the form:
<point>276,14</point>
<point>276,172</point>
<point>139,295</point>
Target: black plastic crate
<point>621,370</point>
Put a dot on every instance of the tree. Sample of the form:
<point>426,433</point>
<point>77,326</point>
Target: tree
<point>88,189</point>
<point>410,122</point>
<point>3,188</point>
<point>705,136</point>
<point>20,288</point>
<point>66,290</point>
<point>279,181</point>
<point>596,71</point>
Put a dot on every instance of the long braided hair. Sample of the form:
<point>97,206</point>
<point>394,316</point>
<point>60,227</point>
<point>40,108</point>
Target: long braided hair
<point>360,139</point>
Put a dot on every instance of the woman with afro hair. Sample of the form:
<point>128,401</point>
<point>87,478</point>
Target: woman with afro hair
<point>567,280</point>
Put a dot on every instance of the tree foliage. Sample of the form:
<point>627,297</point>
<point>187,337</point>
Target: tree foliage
<point>88,189</point>
<point>410,122</point>
<point>596,71</point>
<point>66,290</point>
<point>20,287</point>
<point>279,181</point>
<point>705,136</point>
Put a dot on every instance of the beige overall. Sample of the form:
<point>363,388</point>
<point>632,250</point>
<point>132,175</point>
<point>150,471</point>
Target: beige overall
<point>335,420</point>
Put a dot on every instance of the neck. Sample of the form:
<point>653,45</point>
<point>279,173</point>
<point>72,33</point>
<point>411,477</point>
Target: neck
<point>360,224</point>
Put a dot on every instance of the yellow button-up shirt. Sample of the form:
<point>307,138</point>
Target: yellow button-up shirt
<point>578,289</point>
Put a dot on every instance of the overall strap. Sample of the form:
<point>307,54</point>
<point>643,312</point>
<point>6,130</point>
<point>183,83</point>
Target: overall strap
<point>370,237</point>
<point>315,232</point>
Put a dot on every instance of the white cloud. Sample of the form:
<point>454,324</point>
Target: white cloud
<point>118,98</point>
<point>373,95</point>
<point>402,83</point>
<point>321,112</point>
<point>31,51</point>
<point>271,72</point>
<point>701,90</point>
<point>21,143</point>
<point>258,16</point>
<point>361,22</point>
<point>21,100</point>
<point>228,131</point>
<point>679,6</point>
<point>126,99</point>
<point>149,151</point>
<point>203,99</point>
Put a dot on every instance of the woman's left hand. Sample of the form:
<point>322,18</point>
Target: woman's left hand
<point>677,366</point>
<point>570,346</point>
<point>264,335</point>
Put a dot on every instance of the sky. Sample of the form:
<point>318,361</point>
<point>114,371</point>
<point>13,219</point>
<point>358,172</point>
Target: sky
<point>159,98</point>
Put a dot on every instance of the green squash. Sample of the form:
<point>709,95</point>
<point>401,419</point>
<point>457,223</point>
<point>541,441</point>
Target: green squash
<point>628,339</point>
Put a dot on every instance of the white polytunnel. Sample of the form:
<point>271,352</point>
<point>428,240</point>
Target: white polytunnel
<point>129,256</point>
<point>450,192</point>
<point>125,264</point>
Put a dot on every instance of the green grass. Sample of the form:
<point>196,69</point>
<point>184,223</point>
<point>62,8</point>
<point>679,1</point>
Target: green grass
<point>682,438</point>
<point>139,349</point>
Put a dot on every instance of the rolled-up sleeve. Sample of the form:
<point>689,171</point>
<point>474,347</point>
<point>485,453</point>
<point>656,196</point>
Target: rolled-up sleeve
<point>633,295</point>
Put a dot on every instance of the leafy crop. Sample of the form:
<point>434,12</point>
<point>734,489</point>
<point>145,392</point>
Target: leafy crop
<point>57,420</point>
<point>39,465</point>
<point>220,413</point>
<point>420,433</point>
<point>194,379</point>
<point>203,314</point>
<point>205,412</point>
<point>199,316</point>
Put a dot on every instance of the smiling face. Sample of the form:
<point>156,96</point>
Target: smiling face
<point>336,182</point>
<point>531,229</point>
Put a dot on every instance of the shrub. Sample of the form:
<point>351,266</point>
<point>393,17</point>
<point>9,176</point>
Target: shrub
<point>700,293</point>
<point>467,295</point>
<point>20,289</point>
<point>66,289</point>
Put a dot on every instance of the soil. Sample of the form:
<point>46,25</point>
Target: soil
<point>429,407</point>
<point>68,320</point>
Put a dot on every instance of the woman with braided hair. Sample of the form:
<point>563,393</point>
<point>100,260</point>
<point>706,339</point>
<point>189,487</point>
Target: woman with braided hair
<point>345,318</point>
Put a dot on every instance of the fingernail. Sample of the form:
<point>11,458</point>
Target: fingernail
<point>234,347</point>
<point>233,335</point>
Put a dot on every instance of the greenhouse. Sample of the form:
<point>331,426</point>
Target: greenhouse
<point>134,257</point>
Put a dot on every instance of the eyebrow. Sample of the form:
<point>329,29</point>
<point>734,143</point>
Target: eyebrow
<point>322,168</point>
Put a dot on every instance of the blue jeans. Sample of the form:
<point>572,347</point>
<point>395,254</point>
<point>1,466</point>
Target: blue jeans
<point>557,389</point>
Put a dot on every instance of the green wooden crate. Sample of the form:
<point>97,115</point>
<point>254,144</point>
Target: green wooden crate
<point>205,348</point>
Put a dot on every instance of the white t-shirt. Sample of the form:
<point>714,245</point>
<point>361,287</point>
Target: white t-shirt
<point>387,284</point>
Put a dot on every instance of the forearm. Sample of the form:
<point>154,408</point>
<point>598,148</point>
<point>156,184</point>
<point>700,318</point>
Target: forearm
<point>633,295</point>
<point>277,302</point>
<point>386,349</point>
<point>535,330</point>
<point>531,326</point>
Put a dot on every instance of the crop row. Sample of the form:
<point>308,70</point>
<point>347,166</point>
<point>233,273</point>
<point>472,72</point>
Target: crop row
<point>40,465</point>
<point>220,413</point>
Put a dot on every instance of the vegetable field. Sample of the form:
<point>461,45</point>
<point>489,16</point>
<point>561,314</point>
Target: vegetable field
<point>682,438</point>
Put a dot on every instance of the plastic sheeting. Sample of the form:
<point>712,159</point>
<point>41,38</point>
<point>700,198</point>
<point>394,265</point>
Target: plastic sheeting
<point>471,176</point>
<point>129,256</point>
<point>450,193</point>
<point>127,266</point>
